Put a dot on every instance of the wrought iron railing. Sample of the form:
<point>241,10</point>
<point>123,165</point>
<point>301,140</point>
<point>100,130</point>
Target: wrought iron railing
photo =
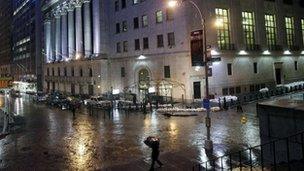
<point>280,154</point>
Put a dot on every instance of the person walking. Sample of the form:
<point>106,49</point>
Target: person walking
<point>225,104</point>
<point>153,143</point>
<point>73,110</point>
<point>155,155</point>
<point>239,108</point>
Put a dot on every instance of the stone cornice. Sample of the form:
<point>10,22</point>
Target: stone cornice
<point>78,3</point>
<point>71,5</point>
<point>57,12</point>
<point>64,8</point>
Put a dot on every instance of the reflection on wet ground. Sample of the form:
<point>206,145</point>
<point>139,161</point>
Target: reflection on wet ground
<point>53,139</point>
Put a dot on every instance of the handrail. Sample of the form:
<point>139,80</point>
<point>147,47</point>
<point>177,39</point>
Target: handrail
<point>272,142</point>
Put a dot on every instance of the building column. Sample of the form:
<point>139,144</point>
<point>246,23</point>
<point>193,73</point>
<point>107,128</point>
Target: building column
<point>64,35</point>
<point>78,27</point>
<point>71,32</point>
<point>58,37</point>
<point>87,28</point>
<point>96,26</point>
<point>53,39</point>
<point>47,43</point>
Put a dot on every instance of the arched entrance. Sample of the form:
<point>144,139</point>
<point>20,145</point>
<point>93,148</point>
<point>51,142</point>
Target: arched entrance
<point>143,83</point>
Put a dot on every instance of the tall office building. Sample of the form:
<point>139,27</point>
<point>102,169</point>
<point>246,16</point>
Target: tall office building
<point>5,42</point>
<point>26,39</point>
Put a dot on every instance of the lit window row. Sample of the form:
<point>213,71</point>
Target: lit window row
<point>25,40</point>
<point>21,56</point>
<point>123,46</point>
<point>123,4</point>
<point>123,26</point>
<point>20,7</point>
<point>248,25</point>
<point>73,72</point>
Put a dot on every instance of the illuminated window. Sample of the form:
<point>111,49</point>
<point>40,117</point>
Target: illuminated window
<point>249,29</point>
<point>135,1</point>
<point>223,28</point>
<point>144,21</point>
<point>159,17</point>
<point>302,28</point>
<point>289,25</point>
<point>271,30</point>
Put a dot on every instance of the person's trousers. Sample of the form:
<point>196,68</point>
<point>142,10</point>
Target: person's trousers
<point>155,159</point>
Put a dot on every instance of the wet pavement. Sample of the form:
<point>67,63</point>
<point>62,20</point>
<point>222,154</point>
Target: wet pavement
<point>52,139</point>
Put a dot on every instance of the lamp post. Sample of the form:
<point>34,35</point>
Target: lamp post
<point>173,3</point>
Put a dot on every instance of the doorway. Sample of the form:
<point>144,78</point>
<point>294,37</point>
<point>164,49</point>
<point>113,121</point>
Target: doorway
<point>53,86</point>
<point>91,89</point>
<point>73,89</point>
<point>278,76</point>
<point>197,90</point>
<point>48,87</point>
<point>143,83</point>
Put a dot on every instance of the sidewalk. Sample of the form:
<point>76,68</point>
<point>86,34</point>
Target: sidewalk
<point>172,162</point>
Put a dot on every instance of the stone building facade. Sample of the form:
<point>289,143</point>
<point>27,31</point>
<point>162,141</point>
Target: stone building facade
<point>145,45</point>
<point>75,47</point>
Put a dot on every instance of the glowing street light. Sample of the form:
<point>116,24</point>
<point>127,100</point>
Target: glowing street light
<point>141,57</point>
<point>78,56</point>
<point>172,4</point>
<point>219,22</point>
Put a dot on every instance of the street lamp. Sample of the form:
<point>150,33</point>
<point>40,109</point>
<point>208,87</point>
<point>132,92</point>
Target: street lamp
<point>173,4</point>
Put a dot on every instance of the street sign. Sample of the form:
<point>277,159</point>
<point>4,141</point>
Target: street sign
<point>206,103</point>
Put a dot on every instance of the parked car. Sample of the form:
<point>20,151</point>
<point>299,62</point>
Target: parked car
<point>30,92</point>
<point>2,92</point>
<point>15,93</point>
<point>76,102</point>
<point>57,99</point>
<point>94,100</point>
<point>98,102</point>
<point>40,97</point>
